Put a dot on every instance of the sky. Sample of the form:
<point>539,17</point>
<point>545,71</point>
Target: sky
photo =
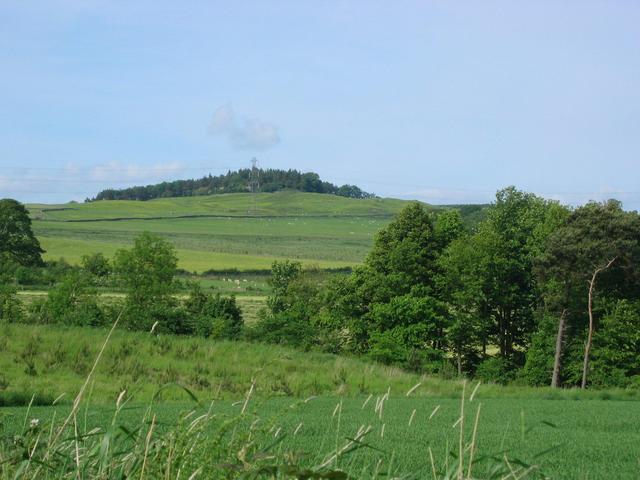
<point>441,101</point>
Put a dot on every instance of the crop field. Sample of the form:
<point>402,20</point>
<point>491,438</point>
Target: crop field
<point>222,231</point>
<point>561,439</point>
<point>222,243</point>
<point>565,434</point>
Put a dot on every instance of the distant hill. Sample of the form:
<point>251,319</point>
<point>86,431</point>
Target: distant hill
<point>230,231</point>
<point>287,203</point>
<point>245,180</point>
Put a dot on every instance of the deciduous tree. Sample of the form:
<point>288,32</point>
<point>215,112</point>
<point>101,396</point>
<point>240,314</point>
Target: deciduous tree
<point>17,241</point>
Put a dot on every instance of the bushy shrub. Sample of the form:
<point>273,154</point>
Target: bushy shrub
<point>96,264</point>
<point>161,317</point>
<point>616,353</point>
<point>29,276</point>
<point>98,268</point>
<point>540,356</point>
<point>10,307</point>
<point>387,347</point>
<point>147,272</point>
<point>497,370</point>
<point>71,302</point>
<point>213,315</point>
<point>284,328</point>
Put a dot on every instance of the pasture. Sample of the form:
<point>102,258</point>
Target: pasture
<point>284,203</point>
<point>222,232</point>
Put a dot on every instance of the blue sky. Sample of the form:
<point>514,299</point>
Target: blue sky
<point>442,101</point>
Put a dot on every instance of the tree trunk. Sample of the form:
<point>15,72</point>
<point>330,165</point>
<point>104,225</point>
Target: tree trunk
<point>587,347</point>
<point>555,378</point>
<point>501,330</point>
<point>459,364</point>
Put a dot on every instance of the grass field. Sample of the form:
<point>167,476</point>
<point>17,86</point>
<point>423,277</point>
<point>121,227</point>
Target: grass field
<point>582,440</point>
<point>585,434</point>
<point>285,203</point>
<point>222,232</point>
<point>222,243</point>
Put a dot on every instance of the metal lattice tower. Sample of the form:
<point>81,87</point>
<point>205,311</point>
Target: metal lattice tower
<point>254,176</point>
<point>254,183</point>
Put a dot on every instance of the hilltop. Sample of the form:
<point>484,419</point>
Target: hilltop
<point>245,180</point>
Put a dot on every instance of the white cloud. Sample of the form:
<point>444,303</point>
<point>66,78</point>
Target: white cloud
<point>243,133</point>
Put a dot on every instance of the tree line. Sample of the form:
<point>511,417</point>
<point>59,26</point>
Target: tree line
<point>270,180</point>
<point>537,293</point>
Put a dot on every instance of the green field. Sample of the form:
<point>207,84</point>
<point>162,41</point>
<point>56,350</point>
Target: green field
<point>581,440</point>
<point>284,203</point>
<point>222,231</point>
<point>584,434</point>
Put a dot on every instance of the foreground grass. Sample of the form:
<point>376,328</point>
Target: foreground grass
<point>558,439</point>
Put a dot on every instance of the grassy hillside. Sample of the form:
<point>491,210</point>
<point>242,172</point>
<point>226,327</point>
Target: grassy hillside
<point>286,203</point>
<point>61,357</point>
<point>54,360</point>
<point>222,231</point>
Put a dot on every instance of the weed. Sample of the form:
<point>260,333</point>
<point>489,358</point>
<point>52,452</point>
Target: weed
<point>29,354</point>
<point>81,360</point>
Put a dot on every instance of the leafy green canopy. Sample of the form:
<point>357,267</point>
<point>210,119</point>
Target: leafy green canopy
<point>17,242</point>
<point>271,180</point>
<point>391,304</point>
<point>147,272</point>
<point>592,236</point>
<point>488,278</point>
<point>599,243</point>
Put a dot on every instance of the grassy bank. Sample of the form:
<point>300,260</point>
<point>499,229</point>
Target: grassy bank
<point>54,360</point>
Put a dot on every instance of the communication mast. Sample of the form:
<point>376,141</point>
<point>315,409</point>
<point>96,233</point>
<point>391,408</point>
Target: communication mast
<point>254,176</point>
<point>254,183</point>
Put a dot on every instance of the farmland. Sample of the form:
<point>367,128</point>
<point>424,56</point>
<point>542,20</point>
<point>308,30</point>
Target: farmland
<point>517,420</point>
<point>226,232</point>
<point>234,231</point>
